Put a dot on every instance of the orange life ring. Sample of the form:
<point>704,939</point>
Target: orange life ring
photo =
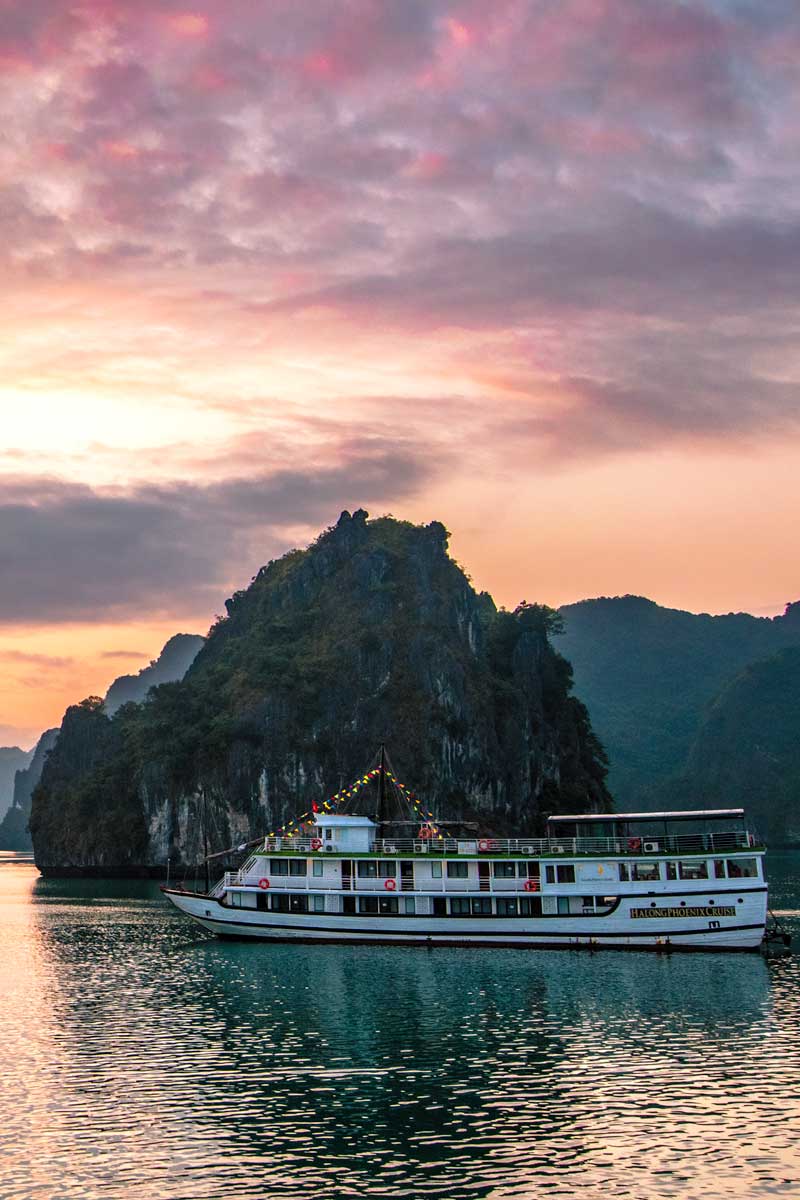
<point>484,844</point>
<point>263,884</point>
<point>634,844</point>
<point>316,843</point>
<point>390,884</point>
<point>425,832</point>
<point>531,885</point>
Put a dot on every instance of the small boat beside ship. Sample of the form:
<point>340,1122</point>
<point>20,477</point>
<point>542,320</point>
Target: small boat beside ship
<point>690,880</point>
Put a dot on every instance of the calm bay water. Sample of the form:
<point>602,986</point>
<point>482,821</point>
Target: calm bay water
<point>142,1058</point>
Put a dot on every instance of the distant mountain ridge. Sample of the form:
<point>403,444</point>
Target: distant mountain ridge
<point>649,674</point>
<point>12,759</point>
<point>172,663</point>
<point>747,749</point>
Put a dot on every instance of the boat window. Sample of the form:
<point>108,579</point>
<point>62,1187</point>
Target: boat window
<point>279,866</point>
<point>436,870</point>
<point>387,870</point>
<point>439,904</point>
<point>298,866</point>
<point>550,873</point>
<point>743,868</point>
<point>587,901</point>
<point>563,904</point>
<point>299,903</point>
<point>672,870</point>
<point>349,905</point>
<point>646,871</point>
<point>235,899</point>
<point>387,905</point>
<point>409,905</point>
<point>693,870</point>
<point>530,906</point>
<point>506,907</point>
<point>458,870</point>
<point>529,870</point>
<point>328,835</point>
<point>261,902</point>
<point>566,874</point>
<point>460,907</point>
<point>367,870</point>
<point>624,874</point>
<point>481,906</point>
<point>505,870</point>
<point>279,903</point>
<point>368,904</point>
<point>318,903</point>
<point>317,867</point>
<point>719,868</point>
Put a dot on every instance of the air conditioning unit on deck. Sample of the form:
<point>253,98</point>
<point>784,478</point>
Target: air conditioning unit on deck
<point>651,847</point>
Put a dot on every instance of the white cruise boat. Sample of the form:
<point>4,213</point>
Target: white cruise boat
<point>655,881</point>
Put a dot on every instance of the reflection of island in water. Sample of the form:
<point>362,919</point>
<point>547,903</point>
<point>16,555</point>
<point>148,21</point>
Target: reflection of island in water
<point>296,1070</point>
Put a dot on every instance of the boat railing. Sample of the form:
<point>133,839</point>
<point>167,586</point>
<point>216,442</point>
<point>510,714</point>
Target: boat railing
<point>525,847</point>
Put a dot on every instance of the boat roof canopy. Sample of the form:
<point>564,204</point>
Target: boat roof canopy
<point>690,814</point>
<point>343,820</point>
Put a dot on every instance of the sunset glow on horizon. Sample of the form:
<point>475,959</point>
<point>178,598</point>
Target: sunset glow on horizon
<point>527,269</point>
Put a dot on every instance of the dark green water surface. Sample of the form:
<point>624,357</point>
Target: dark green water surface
<point>142,1058</point>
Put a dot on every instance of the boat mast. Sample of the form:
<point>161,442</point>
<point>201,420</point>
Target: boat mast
<point>381,814</point>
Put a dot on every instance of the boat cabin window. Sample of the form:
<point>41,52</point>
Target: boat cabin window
<point>367,905</point>
<point>298,903</point>
<point>530,906</point>
<point>279,866</point>
<point>436,870</point>
<point>318,903</point>
<point>529,870</point>
<point>565,874</point>
<point>563,904</point>
<point>742,868</point>
<point>719,868</point>
<point>507,907</point>
<point>298,866</point>
<point>458,870</point>
<point>317,867</point>
<point>349,905</point>
<point>697,869</point>
<point>328,835</point>
<point>375,870</point>
<point>460,907</point>
<point>261,902</point>
<point>645,871</point>
<point>409,905</point>
<point>439,902</point>
<point>481,907</point>
<point>505,870</point>
<point>279,903</point>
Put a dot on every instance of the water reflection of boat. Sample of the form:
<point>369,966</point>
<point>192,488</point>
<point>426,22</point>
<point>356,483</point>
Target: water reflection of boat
<point>658,881</point>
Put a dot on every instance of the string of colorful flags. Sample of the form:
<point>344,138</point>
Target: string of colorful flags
<point>293,828</point>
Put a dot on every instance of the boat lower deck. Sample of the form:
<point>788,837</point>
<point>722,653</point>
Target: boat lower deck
<point>736,926</point>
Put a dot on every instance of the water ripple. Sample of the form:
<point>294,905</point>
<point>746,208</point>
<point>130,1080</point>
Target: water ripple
<point>145,1059</point>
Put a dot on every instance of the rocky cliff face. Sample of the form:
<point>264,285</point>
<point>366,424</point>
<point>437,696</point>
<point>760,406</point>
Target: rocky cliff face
<point>372,634</point>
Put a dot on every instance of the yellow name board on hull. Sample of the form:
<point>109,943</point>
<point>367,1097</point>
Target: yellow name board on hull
<point>712,910</point>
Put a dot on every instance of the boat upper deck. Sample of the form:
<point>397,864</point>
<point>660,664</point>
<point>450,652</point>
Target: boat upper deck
<point>721,841</point>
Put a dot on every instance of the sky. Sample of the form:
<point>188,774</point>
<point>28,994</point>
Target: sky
<point>529,267</point>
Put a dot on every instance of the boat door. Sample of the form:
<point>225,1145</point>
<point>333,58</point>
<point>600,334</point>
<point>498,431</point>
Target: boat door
<point>347,871</point>
<point>484,876</point>
<point>406,876</point>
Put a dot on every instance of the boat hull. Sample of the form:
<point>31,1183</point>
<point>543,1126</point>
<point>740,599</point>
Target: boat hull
<point>744,931</point>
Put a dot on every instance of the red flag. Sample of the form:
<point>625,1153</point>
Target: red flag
<point>314,806</point>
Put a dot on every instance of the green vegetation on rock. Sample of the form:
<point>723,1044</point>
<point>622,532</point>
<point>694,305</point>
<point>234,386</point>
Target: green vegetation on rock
<point>372,634</point>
